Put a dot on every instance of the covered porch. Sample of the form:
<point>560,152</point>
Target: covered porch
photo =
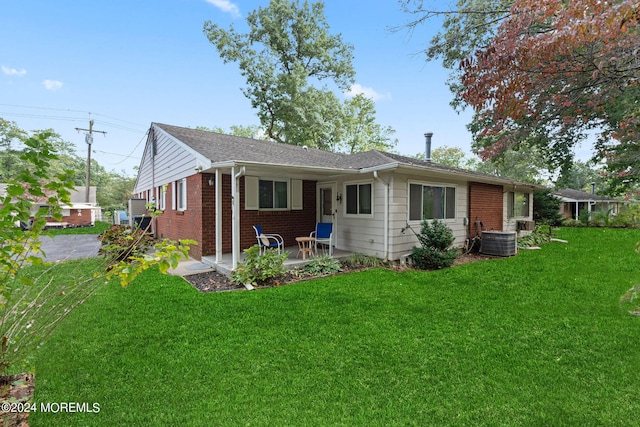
<point>225,264</point>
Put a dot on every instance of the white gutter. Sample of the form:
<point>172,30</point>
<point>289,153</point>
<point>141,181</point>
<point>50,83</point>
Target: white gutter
<point>235,215</point>
<point>232,163</point>
<point>386,213</point>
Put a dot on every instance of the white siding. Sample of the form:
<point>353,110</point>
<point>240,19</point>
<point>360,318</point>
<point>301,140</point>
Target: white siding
<point>511,224</point>
<point>401,243</point>
<point>172,161</point>
<point>361,234</point>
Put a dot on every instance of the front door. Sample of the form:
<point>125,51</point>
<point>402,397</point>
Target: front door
<point>327,196</point>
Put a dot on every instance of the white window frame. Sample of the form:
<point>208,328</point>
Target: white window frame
<point>433,185</point>
<point>179,195</point>
<point>511,204</point>
<point>273,194</point>
<point>162,196</point>
<point>359,213</point>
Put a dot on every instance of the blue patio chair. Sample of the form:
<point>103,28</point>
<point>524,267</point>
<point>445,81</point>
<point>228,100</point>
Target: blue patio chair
<point>267,241</point>
<point>324,236</point>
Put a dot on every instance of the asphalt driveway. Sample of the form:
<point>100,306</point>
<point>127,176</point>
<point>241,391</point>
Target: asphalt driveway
<point>72,246</point>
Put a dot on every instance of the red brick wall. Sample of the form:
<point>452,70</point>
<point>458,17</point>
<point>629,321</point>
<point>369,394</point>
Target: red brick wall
<point>485,204</point>
<point>74,218</point>
<point>288,224</point>
<point>176,225</point>
<point>198,221</point>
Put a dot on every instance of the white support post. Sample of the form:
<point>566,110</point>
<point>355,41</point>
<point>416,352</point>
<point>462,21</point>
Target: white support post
<point>218,216</point>
<point>235,236</point>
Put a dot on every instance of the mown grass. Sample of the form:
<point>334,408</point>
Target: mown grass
<point>537,339</point>
<point>98,228</point>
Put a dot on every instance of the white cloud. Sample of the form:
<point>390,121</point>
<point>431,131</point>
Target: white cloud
<point>13,71</point>
<point>366,91</point>
<point>226,6</point>
<point>52,84</point>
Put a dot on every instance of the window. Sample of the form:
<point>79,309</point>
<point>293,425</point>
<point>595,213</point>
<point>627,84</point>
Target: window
<point>431,202</point>
<point>273,194</point>
<point>162,192</point>
<point>359,200</point>
<point>518,204</point>
<point>180,195</point>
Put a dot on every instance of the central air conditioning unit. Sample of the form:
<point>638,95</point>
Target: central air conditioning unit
<point>499,243</point>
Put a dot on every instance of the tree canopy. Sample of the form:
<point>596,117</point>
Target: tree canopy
<point>546,73</point>
<point>114,189</point>
<point>292,63</point>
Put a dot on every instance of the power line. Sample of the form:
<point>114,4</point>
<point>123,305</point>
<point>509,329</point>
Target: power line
<point>89,140</point>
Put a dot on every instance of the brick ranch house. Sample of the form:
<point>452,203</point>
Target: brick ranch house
<point>78,213</point>
<point>213,188</point>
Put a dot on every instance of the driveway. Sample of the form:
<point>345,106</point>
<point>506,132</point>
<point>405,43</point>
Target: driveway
<point>71,246</point>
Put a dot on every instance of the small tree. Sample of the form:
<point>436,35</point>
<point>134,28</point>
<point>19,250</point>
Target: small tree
<point>546,208</point>
<point>34,302</point>
<point>435,252</point>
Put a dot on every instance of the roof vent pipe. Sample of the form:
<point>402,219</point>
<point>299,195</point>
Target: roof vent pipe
<point>427,141</point>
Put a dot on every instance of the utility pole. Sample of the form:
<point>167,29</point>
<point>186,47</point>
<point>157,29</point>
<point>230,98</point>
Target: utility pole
<point>89,140</point>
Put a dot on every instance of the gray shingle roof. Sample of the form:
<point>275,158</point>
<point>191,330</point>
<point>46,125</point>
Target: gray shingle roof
<point>580,195</point>
<point>221,148</point>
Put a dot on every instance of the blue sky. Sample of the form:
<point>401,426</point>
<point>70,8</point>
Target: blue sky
<point>126,64</point>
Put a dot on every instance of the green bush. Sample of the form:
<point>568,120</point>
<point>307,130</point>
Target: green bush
<point>435,252</point>
<point>259,270</point>
<point>322,266</point>
<point>119,243</point>
<point>366,261</point>
<point>539,236</point>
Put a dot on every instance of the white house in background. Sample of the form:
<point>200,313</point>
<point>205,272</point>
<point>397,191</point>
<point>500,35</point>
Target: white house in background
<point>78,213</point>
<point>574,202</point>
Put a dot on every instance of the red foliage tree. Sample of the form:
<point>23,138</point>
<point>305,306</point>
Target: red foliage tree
<point>554,71</point>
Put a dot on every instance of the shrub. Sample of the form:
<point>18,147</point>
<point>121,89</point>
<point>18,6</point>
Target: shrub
<point>119,243</point>
<point>259,270</point>
<point>546,208</point>
<point>436,252</point>
<point>322,265</point>
<point>366,261</point>
<point>537,237</point>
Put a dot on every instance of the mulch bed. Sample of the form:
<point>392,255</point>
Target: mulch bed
<point>15,391</point>
<point>215,282</point>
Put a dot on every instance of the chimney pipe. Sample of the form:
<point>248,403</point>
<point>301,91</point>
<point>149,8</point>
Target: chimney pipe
<point>427,153</point>
<point>593,188</point>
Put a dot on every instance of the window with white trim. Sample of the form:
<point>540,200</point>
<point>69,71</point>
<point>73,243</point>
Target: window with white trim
<point>273,194</point>
<point>517,204</point>
<point>431,202</point>
<point>162,195</point>
<point>180,195</point>
<point>359,199</point>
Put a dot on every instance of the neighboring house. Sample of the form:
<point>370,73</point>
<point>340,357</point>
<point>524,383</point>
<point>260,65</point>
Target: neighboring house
<point>212,188</point>
<point>575,202</point>
<point>78,213</point>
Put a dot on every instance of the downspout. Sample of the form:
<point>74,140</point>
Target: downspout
<point>386,214</point>
<point>235,217</point>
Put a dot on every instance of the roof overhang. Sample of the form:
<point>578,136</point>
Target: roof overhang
<point>318,173</point>
<point>280,170</point>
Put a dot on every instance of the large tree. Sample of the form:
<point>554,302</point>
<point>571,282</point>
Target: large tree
<point>292,64</point>
<point>554,71</point>
<point>288,48</point>
<point>547,73</point>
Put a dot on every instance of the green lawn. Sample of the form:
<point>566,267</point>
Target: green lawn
<point>98,228</point>
<point>537,339</point>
